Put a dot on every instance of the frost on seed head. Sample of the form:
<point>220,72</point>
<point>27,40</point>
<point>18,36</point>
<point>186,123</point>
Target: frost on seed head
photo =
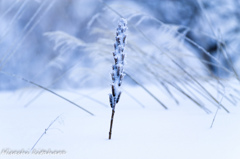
<point>118,56</point>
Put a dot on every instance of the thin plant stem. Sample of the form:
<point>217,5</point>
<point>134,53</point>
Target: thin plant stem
<point>216,113</point>
<point>45,131</point>
<point>35,84</point>
<point>150,93</point>
<point>111,124</point>
<point>214,118</point>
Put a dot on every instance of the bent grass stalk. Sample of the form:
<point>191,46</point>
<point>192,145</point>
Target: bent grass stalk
<point>48,90</point>
<point>117,68</point>
<point>45,132</point>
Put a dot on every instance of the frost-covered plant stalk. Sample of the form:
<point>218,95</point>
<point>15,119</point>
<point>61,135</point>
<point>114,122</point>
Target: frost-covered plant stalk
<point>117,68</point>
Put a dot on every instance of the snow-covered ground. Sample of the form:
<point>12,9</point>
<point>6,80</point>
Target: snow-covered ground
<point>182,132</point>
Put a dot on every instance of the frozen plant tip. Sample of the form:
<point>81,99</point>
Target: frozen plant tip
<point>117,68</point>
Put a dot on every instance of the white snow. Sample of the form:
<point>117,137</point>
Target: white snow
<point>182,132</point>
